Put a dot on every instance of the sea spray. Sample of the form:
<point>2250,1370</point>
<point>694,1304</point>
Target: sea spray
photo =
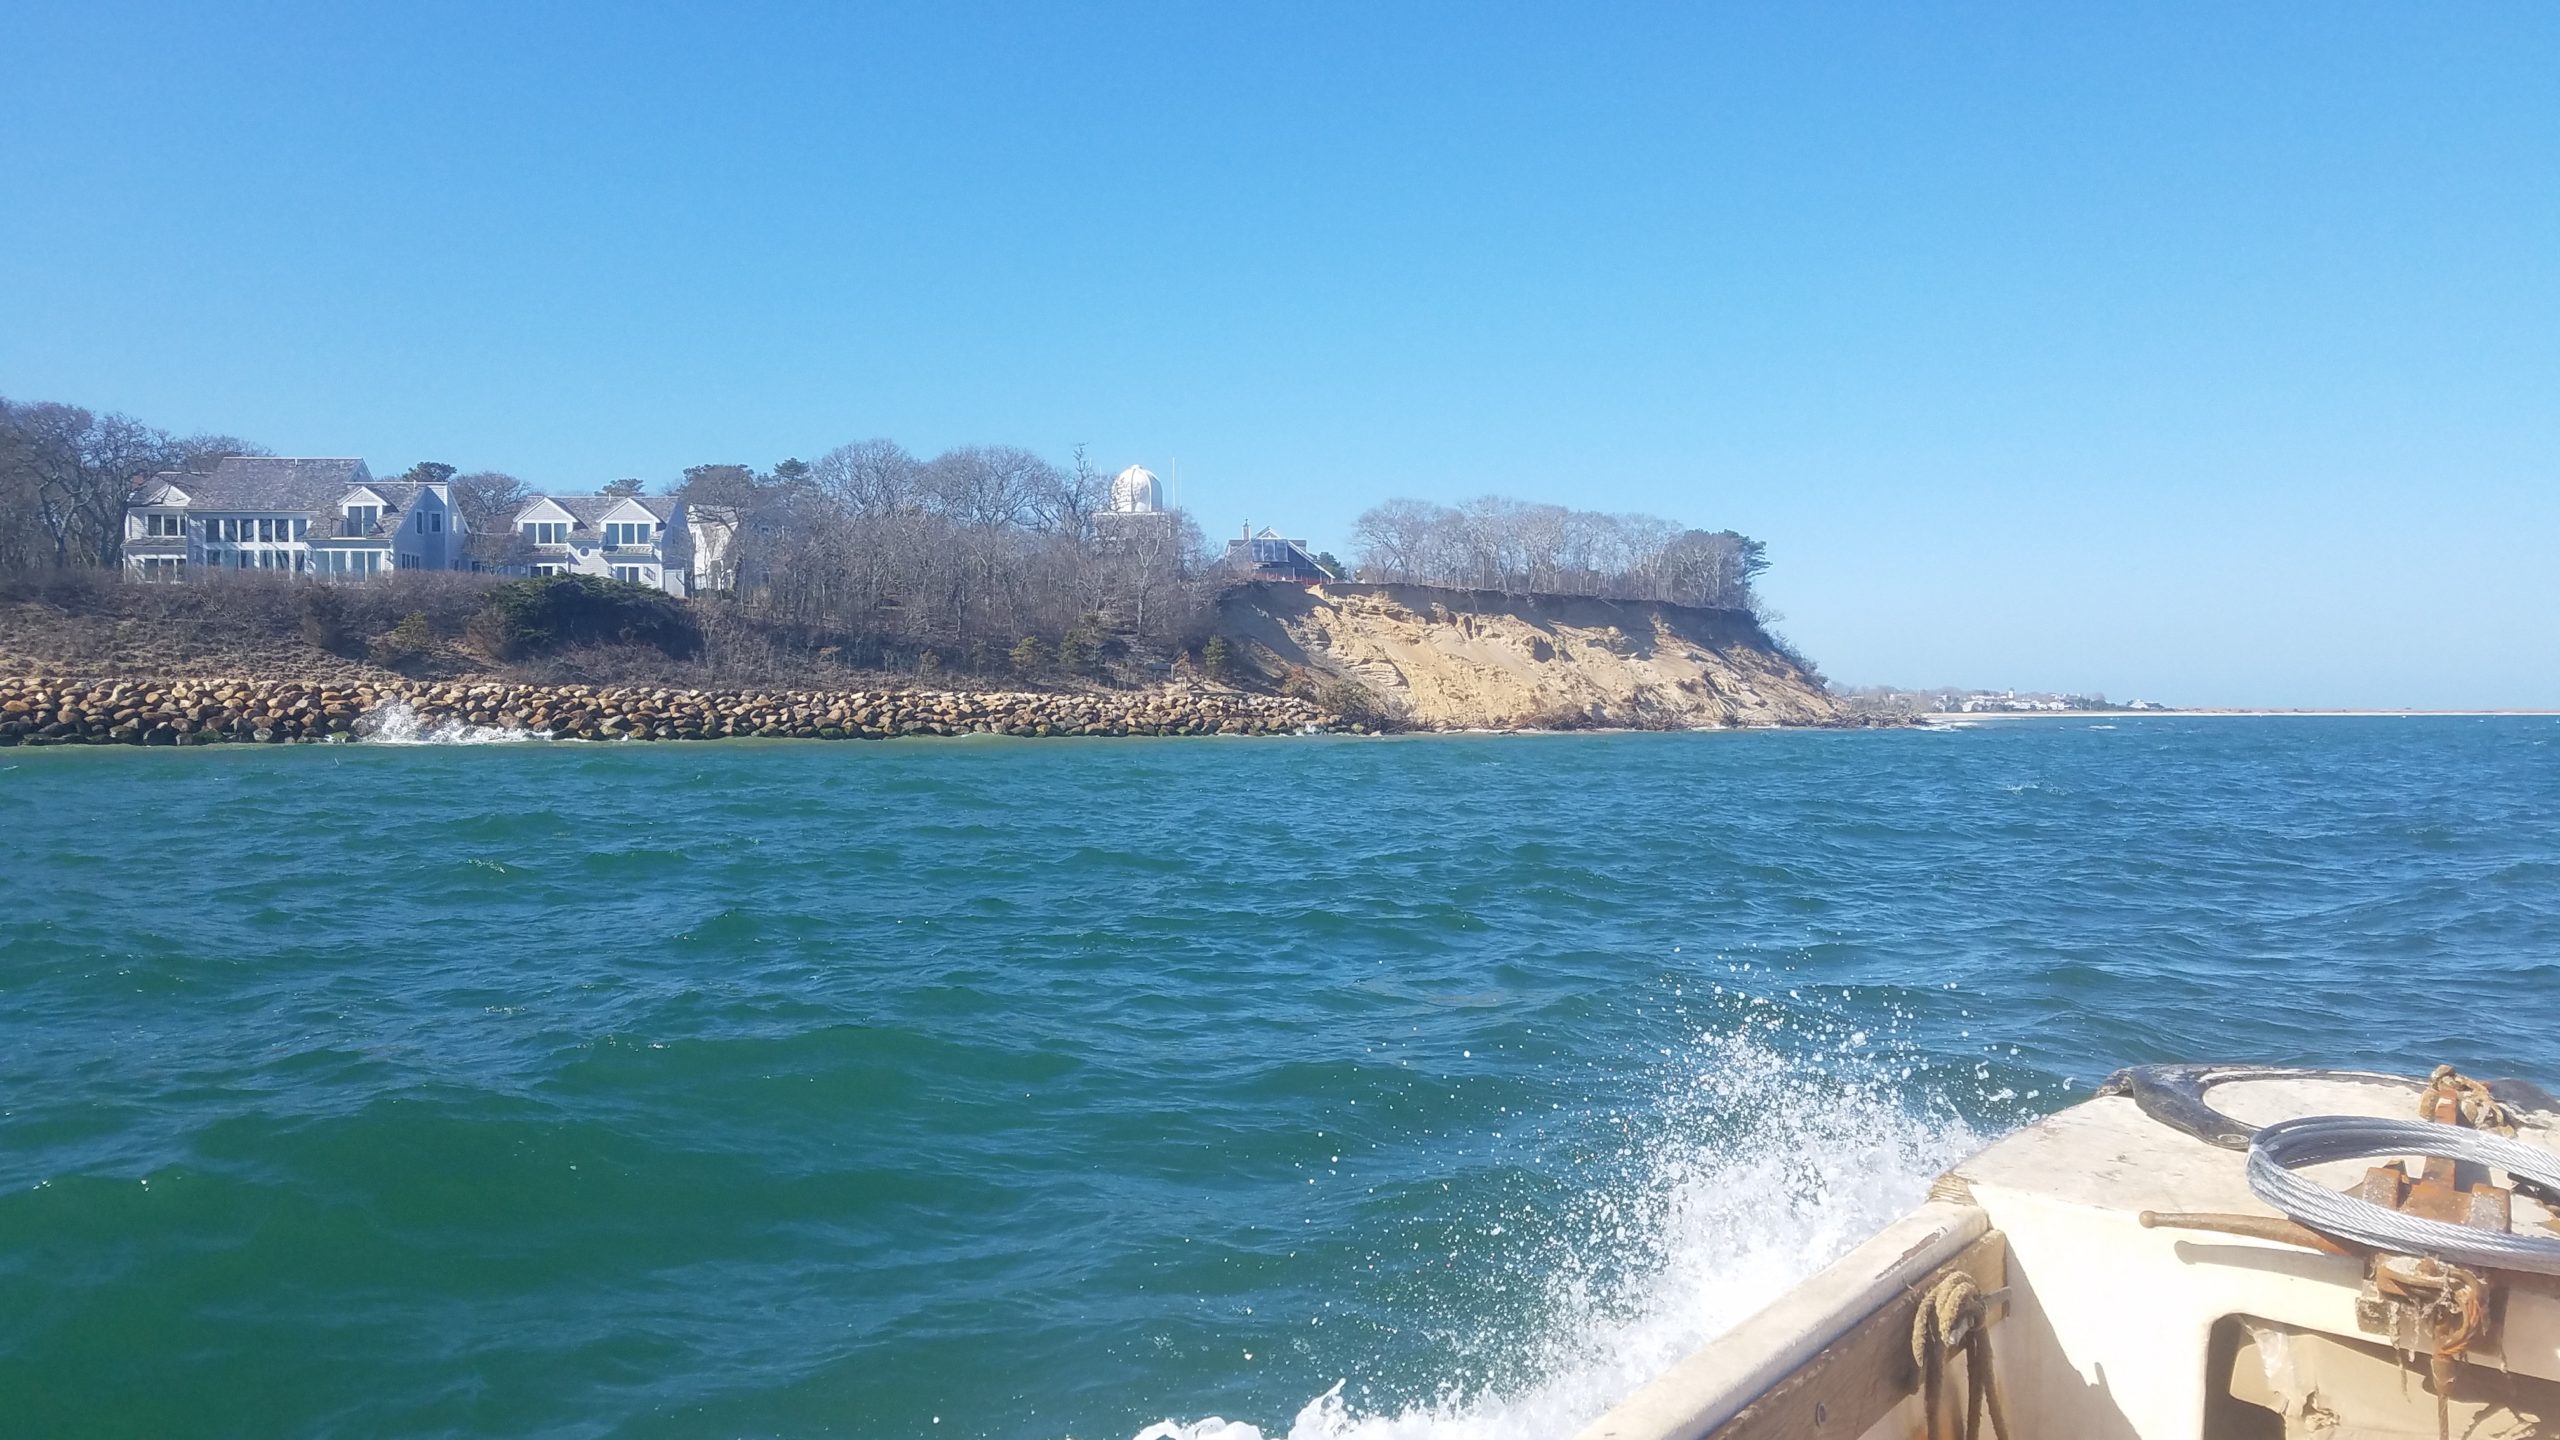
<point>397,722</point>
<point>925,1092</point>
<point>1755,1168</point>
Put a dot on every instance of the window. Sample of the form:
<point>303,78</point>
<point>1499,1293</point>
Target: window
<point>301,528</point>
<point>547,532</point>
<point>362,518</point>
<point>164,525</point>
<point>436,522</point>
<point>627,534</point>
<point>230,529</point>
<point>627,572</point>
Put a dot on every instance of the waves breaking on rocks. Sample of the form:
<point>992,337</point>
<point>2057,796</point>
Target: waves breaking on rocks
<point>39,711</point>
<point>399,723</point>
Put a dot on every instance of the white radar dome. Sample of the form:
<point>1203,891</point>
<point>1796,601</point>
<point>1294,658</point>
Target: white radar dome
<point>1136,491</point>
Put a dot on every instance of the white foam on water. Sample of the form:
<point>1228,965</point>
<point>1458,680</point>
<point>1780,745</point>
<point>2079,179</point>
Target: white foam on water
<point>398,723</point>
<point>1754,1174</point>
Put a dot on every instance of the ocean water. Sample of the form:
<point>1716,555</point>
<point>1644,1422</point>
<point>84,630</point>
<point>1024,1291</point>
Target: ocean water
<point>1423,1087</point>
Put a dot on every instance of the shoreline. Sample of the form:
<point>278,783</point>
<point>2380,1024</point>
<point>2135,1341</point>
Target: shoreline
<point>42,711</point>
<point>1939,717</point>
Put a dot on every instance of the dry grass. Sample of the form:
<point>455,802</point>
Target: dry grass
<point>90,622</point>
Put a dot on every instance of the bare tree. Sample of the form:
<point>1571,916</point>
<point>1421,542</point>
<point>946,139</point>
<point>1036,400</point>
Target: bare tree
<point>1496,543</point>
<point>868,477</point>
<point>489,501</point>
<point>198,454</point>
<point>78,469</point>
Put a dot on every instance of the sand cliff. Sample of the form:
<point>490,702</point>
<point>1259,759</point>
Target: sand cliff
<point>1469,659</point>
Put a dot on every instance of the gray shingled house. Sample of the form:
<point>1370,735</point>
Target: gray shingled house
<point>640,538</point>
<point>325,517</point>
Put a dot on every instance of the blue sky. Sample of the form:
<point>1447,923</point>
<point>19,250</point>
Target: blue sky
<point>2209,353</point>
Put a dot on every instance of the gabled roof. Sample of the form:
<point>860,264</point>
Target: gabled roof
<point>589,510</point>
<point>396,497</point>
<point>1271,550</point>
<point>270,482</point>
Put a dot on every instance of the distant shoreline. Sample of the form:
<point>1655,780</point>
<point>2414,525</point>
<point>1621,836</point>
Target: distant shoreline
<point>1936,717</point>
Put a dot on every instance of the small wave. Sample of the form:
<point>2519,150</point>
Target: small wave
<point>399,723</point>
<point>1742,1191</point>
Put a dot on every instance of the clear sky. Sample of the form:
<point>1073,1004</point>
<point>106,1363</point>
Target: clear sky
<point>2205,353</point>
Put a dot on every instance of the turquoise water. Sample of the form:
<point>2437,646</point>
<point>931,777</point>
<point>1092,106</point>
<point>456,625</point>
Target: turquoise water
<point>1053,1088</point>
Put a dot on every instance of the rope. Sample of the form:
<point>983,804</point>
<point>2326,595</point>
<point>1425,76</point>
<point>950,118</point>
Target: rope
<point>2279,1149</point>
<point>2480,1109</point>
<point>1950,1319</point>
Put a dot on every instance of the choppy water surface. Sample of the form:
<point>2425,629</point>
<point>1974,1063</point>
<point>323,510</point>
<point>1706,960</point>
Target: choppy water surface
<point>1425,1087</point>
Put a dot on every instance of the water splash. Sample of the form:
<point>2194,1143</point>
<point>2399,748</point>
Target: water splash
<point>1751,1174</point>
<point>398,722</point>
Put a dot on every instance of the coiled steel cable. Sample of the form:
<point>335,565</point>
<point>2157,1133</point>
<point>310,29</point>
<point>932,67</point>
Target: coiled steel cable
<point>2276,1151</point>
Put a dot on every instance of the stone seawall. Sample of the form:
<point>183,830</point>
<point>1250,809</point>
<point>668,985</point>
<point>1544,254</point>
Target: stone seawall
<point>40,711</point>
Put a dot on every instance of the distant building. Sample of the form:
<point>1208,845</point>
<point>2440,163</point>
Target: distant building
<point>1136,491</point>
<point>301,516</point>
<point>638,538</point>
<point>1270,555</point>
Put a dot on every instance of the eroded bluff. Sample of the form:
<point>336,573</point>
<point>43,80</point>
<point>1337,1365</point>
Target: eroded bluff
<point>1441,659</point>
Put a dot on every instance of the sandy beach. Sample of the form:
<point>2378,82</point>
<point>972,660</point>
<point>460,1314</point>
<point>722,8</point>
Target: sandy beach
<point>1946,716</point>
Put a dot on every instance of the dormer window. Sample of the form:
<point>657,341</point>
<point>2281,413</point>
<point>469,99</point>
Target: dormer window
<point>634,534</point>
<point>547,532</point>
<point>362,518</point>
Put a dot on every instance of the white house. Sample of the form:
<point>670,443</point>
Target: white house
<point>731,547</point>
<point>639,538</point>
<point>301,516</point>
